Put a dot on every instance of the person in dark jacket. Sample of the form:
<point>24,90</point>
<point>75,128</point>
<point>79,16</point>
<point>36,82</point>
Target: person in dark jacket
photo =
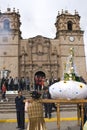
<point>20,110</point>
<point>47,106</point>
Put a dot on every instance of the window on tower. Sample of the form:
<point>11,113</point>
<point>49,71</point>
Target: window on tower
<point>69,25</point>
<point>6,24</point>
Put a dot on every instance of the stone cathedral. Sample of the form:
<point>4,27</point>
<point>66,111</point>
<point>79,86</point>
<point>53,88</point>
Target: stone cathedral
<point>40,55</point>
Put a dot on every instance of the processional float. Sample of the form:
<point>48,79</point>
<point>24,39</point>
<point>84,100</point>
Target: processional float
<point>71,87</point>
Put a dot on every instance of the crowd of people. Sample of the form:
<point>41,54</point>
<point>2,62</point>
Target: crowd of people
<point>13,84</point>
<point>16,83</point>
<point>24,83</point>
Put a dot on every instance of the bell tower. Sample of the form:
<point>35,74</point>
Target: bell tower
<point>70,35</point>
<point>68,25</point>
<point>10,36</point>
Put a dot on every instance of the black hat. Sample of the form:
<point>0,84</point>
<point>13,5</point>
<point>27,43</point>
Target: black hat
<point>35,94</point>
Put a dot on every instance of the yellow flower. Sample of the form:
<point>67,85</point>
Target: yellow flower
<point>81,86</point>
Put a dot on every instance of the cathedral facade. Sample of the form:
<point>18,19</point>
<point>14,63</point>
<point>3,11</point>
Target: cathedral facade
<point>40,55</point>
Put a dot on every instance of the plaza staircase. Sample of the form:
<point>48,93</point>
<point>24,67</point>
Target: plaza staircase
<point>9,106</point>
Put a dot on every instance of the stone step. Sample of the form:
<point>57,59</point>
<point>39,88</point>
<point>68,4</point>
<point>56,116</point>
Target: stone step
<point>6,108</point>
<point>8,111</point>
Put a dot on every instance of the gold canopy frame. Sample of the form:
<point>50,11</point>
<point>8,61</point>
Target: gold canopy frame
<point>79,102</point>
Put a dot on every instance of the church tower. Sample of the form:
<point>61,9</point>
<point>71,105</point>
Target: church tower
<point>10,36</point>
<point>70,35</point>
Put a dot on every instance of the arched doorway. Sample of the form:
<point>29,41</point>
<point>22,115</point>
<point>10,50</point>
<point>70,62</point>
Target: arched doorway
<point>40,74</point>
<point>39,79</point>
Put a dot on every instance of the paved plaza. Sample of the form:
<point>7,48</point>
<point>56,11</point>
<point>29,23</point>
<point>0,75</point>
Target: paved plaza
<point>50,126</point>
<point>8,121</point>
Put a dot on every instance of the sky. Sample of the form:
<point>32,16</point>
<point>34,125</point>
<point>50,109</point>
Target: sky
<point>38,17</point>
